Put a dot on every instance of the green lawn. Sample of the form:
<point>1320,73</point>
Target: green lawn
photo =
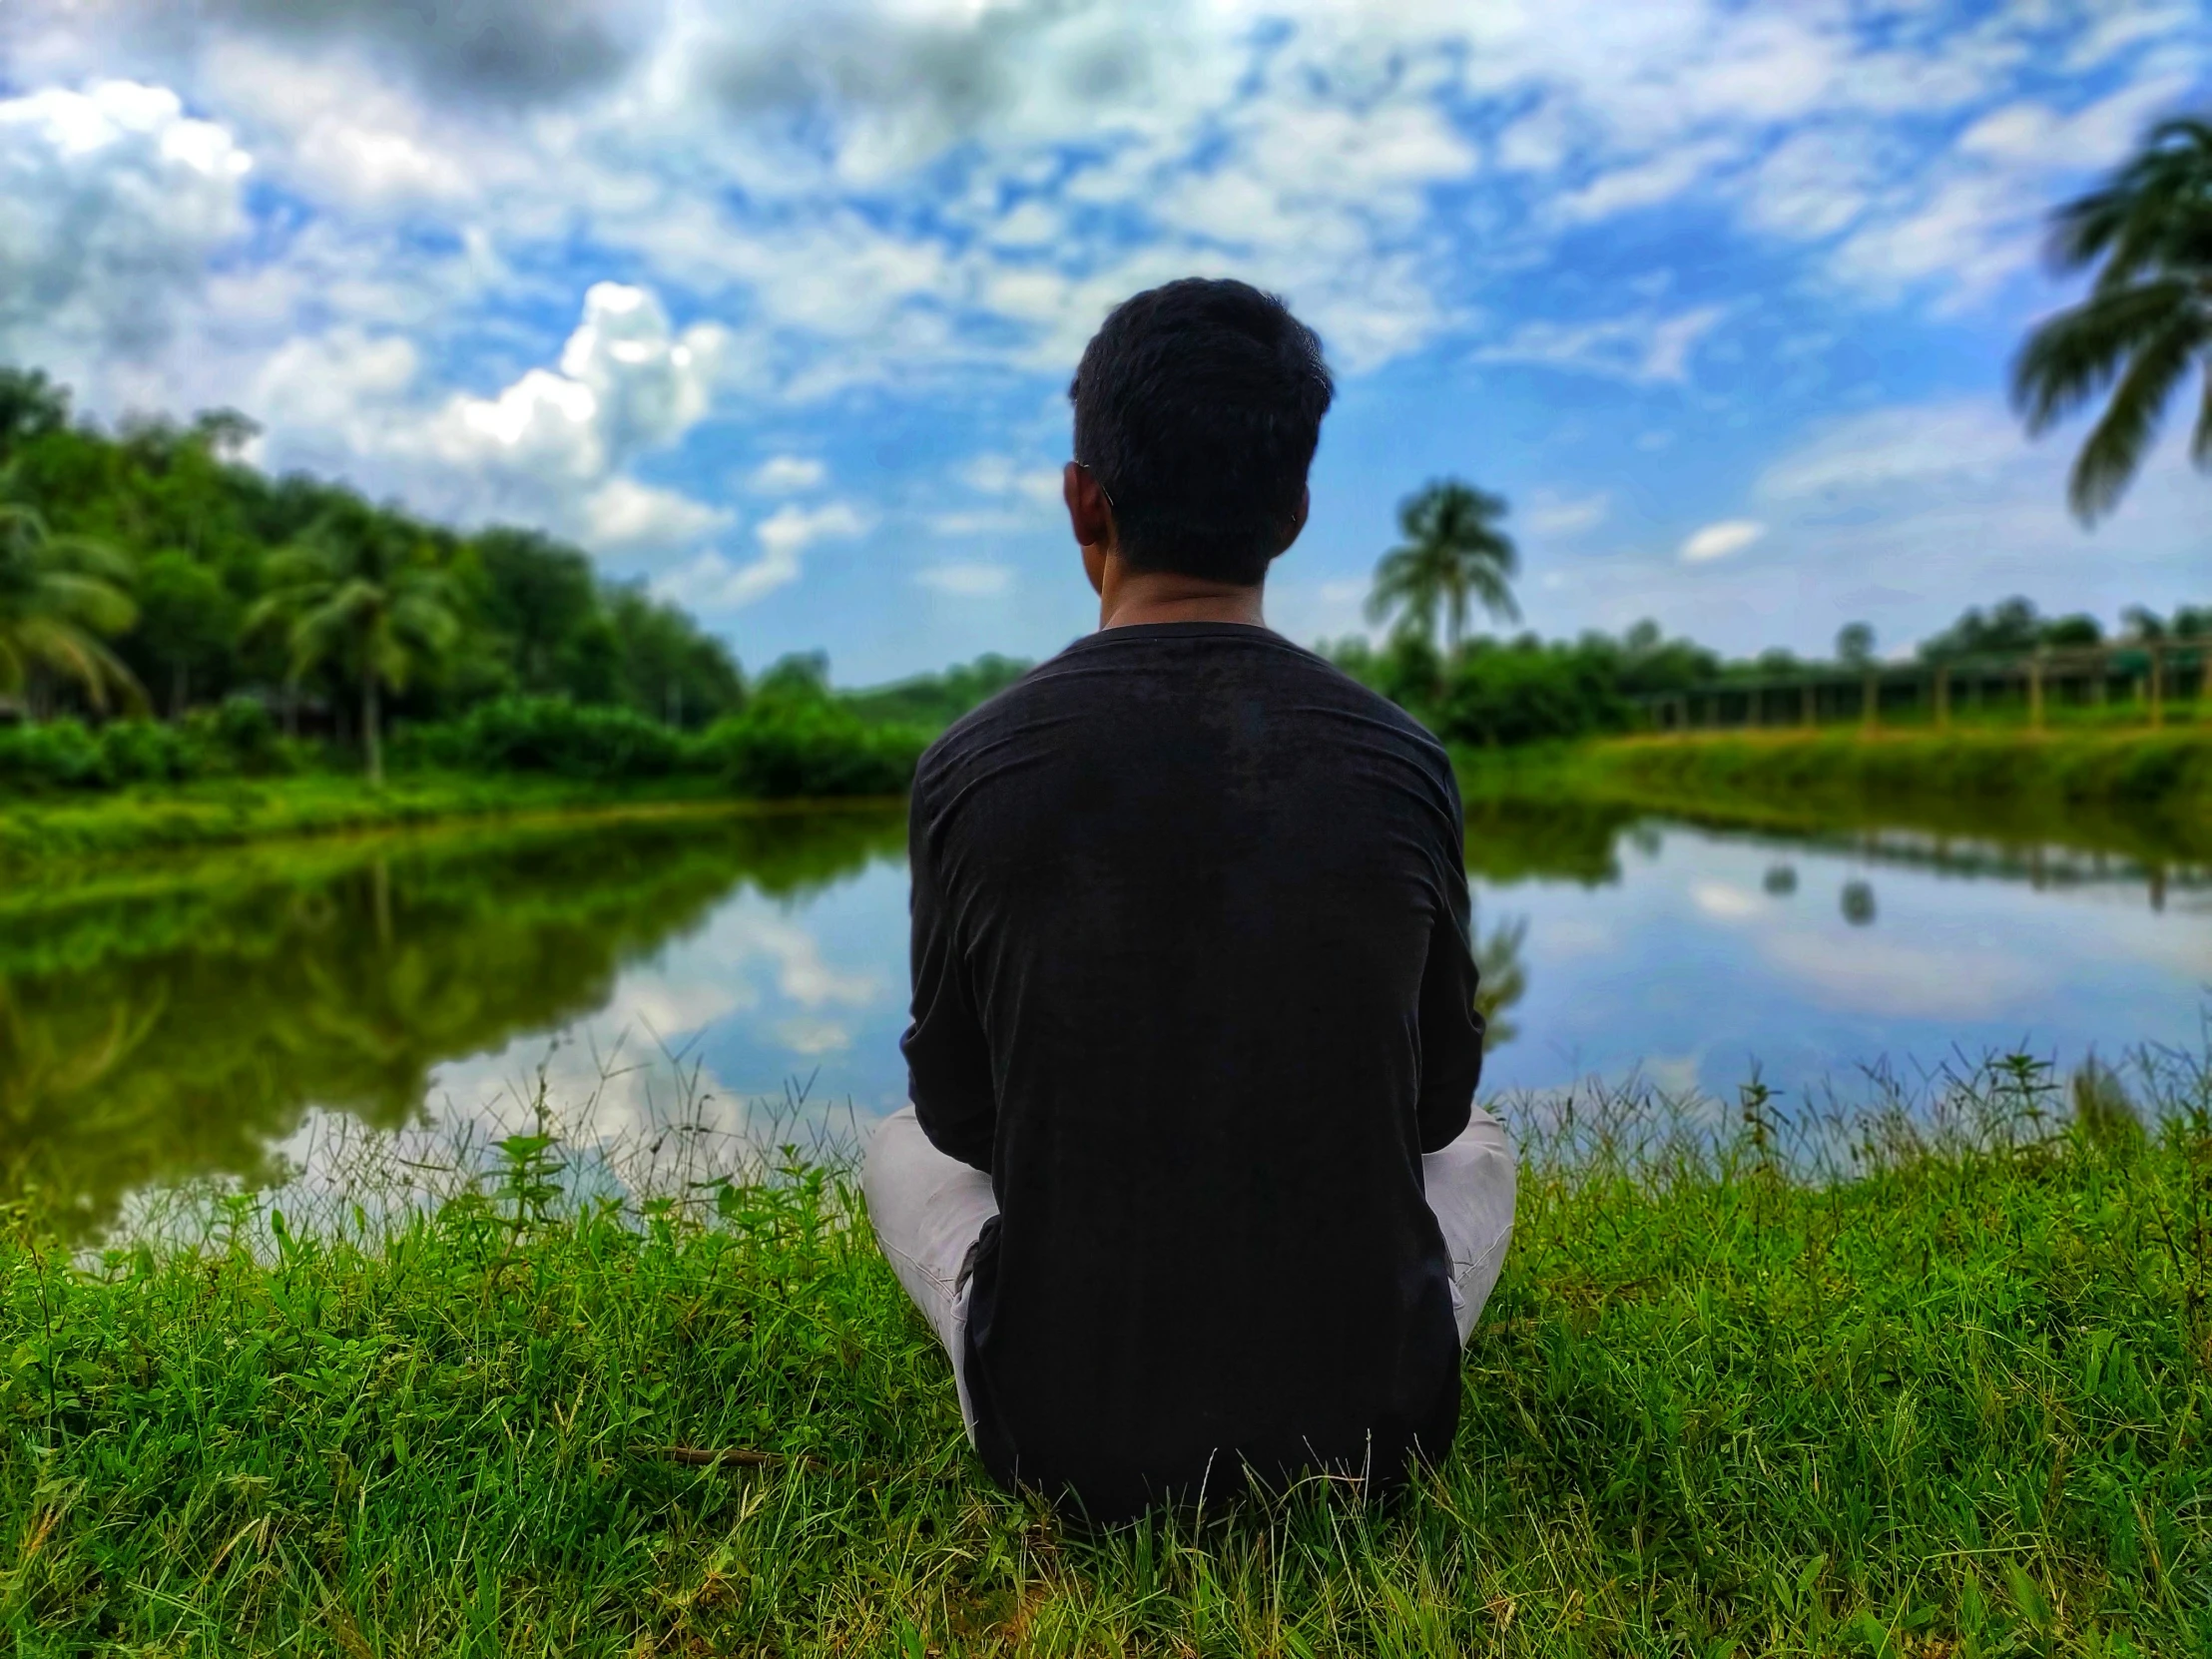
<point>2142,792</point>
<point>1952,1397</point>
<point>52,828</point>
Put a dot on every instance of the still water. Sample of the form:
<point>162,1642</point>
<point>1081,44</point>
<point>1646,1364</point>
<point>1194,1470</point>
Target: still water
<point>167,1021</point>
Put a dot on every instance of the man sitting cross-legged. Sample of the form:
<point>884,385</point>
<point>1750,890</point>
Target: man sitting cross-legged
<point>1192,1185</point>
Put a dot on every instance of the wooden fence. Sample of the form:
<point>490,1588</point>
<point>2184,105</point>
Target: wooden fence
<point>2149,678</point>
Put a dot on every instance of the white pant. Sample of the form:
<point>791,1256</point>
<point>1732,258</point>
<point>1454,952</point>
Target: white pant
<point>927,1210</point>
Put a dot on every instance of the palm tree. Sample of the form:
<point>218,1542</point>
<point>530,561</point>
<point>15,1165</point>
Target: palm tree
<point>59,597</point>
<point>361,592</point>
<point>2147,320</point>
<point>1454,553</point>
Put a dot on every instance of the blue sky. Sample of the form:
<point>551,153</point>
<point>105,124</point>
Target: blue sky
<point>776,310</point>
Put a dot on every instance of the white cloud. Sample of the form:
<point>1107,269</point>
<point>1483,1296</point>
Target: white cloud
<point>966,581</point>
<point>1896,980</point>
<point>789,474</point>
<point>1002,475</point>
<point>551,448</point>
<point>112,203</point>
<point>714,583</point>
<point>1722,900</point>
<point>1884,448</point>
<point>1644,184</point>
<point>1558,515</point>
<point>1645,349</point>
<point>1718,541</point>
<point>626,382</point>
<point>792,529</point>
<point>625,515</point>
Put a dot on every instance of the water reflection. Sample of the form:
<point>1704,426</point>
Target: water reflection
<point>160,1021</point>
<point>186,1028</point>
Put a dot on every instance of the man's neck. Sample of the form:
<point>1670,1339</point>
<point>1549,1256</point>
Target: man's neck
<point>1140,596</point>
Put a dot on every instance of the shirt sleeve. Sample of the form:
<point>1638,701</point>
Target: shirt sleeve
<point>1451,1027</point>
<point>949,1063</point>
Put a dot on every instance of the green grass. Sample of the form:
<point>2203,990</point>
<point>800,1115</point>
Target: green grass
<point>60,828</point>
<point>2137,790</point>
<point>1943,1390</point>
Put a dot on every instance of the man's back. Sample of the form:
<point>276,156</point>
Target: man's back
<point>1192,981</point>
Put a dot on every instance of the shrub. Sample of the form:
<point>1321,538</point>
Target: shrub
<point>1530,693</point>
<point>60,754</point>
<point>209,743</point>
<point>782,748</point>
<point>551,734</point>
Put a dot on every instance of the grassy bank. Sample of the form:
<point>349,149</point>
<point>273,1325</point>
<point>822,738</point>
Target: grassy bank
<point>1955,1399</point>
<point>234,811</point>
<point>2140,790</point>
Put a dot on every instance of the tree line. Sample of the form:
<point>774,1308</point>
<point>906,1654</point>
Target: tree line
<point>154,570</point>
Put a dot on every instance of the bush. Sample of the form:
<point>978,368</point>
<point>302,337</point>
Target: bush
<point>1497,695</point>
<point>60,754</point>
<point>549,733</point>
<point>210,743</point>
<point>782,749</point>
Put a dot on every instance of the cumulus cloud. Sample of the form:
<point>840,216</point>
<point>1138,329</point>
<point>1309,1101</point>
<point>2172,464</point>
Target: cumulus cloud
<point>1718,541</point>
<point>1645,349</point>
<point>553,439</point>
<point>515,50</point>
<point>552,448</point>
<point>715,583</point>
<point>624,515</point>
<point>938,199</point>
<point>112,201</point>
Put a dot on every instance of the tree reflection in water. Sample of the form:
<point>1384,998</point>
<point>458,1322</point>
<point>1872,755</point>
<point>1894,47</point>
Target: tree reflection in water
<point>182,1030</point>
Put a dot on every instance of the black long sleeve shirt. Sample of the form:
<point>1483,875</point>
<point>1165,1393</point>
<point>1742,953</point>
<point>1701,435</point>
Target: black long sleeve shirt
<point>1191,982</point>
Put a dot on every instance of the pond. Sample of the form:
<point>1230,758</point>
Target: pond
<point>169,1021</point>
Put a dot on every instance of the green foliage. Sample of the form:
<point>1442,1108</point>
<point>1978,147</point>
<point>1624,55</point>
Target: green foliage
<point>552,735</point>
<point>2140,792</point>
<point>188,625</point>
<point>2010,628</point>
<point>1946,1395</point>
<point>237,740</point>
<point>1490,692</point>
<point>363,594</point>
<point>61,599</point>
<point>783,747</point>
<point>1453,557</point>
<point>792,739</point>
<point>936,700</point>
<point>203,540</point>
<point>2144,330</point>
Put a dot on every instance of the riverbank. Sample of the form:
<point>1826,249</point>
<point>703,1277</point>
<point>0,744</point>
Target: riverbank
<point>1956,1400</point>
<point>55,830</point>
<point>2143,792</point>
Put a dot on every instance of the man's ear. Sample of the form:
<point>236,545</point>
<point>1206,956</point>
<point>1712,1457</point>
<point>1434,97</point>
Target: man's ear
<point>1090,514</point>
<point>1297,520</point>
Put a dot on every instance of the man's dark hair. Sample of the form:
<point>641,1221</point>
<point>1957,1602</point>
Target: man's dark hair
<point>1198,405</point>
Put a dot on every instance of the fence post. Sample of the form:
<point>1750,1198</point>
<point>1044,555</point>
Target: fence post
<point>1804,703</point>
<point>2035,692</point>
<point>2158,685</point>
<point>1942,696</point>
<point>1869,701</point>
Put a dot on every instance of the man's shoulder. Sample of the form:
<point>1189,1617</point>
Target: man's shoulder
<point>976,727</point>
<point>1313,682</point>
